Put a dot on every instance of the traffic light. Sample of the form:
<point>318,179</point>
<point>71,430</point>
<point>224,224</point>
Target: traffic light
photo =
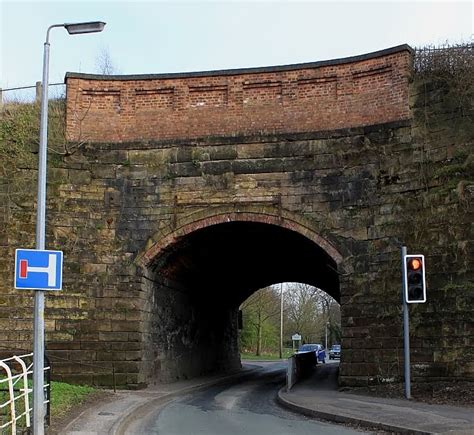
<point>415,284</point>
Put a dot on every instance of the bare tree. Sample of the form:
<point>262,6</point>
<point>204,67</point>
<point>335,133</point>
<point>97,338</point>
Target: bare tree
<point>301,309</point>
<point>104,64</point>
<point>309,309</point>
<point>258,309</point>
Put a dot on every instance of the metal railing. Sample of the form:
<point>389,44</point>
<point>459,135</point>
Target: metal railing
<point>451,59</point>
<point>29,96</point>
<point>15,392</point>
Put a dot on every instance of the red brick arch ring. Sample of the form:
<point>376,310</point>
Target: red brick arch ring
<point>164,239</point>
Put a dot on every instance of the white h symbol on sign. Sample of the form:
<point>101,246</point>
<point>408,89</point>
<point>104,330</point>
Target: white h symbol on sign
<point>50,269</point>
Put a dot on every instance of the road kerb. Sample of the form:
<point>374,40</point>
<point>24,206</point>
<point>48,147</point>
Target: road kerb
<point>340,418</point>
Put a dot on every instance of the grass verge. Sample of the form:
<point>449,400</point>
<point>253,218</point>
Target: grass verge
<point>266,356</point>
<point>64,397</point>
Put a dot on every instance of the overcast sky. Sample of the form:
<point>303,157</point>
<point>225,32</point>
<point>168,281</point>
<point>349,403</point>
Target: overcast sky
<point>171,36</point>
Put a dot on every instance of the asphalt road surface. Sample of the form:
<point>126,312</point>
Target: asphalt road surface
<point>244,408</point>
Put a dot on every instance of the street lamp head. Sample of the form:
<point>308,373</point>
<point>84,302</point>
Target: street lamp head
<point>89,27</point>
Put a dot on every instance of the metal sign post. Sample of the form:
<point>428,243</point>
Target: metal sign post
<point>38,336</point>
<point>294,338</point>
<point>406,329</point>
<point>24,269</point>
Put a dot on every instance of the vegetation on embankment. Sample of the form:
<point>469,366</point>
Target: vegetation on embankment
<point>19,134</point>
<point>442,98</point>
<point>64,397</point>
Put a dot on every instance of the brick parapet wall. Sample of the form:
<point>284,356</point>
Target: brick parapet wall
<point>358,91</point>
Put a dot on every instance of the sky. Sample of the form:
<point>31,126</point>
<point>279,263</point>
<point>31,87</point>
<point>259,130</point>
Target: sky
<point>152,37</point>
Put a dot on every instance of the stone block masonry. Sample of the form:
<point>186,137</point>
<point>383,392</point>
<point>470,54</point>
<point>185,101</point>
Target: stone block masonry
<point>191,191</point>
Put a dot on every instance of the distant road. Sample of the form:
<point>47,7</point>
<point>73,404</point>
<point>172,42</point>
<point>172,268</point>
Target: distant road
<point>246,407</point>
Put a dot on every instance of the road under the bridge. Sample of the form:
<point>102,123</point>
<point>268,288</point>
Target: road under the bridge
<point>198,282</point>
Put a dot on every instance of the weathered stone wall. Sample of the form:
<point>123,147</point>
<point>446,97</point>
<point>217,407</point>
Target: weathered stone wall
<point>442,213</point>
<point>184,338</point>
<point>126,215</point>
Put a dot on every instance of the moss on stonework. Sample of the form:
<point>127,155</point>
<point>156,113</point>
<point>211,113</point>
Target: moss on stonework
<point>461,167</point>
<point>466,286</point>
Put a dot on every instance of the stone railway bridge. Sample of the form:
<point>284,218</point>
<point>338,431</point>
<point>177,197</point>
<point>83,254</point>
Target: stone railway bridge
<point>191,191</point>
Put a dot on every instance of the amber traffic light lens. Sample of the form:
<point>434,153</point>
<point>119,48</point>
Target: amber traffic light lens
<point>415,264</point>
<point>415,286</point>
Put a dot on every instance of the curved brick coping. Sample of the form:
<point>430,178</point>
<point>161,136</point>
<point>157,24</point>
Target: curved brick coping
<point>238,71</point>
<point>329,95</point>
<point>235,216</point>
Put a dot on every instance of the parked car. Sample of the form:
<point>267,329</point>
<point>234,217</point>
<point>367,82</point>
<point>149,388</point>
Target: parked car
<point>335,351</point>
<point>318,349</point>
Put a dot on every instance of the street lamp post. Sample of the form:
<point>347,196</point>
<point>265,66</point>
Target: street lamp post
<point>327,324</point>
<point>38,345</point>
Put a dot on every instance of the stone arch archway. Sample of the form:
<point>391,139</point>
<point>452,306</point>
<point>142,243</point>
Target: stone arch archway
<point>268,215</point>
<point>197,274</point>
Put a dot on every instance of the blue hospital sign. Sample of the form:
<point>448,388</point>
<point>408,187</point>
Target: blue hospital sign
<point>38,270</point>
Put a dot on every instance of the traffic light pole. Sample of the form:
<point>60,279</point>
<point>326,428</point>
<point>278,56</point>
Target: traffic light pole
<point>281,320</point>
<point>406,330</point>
